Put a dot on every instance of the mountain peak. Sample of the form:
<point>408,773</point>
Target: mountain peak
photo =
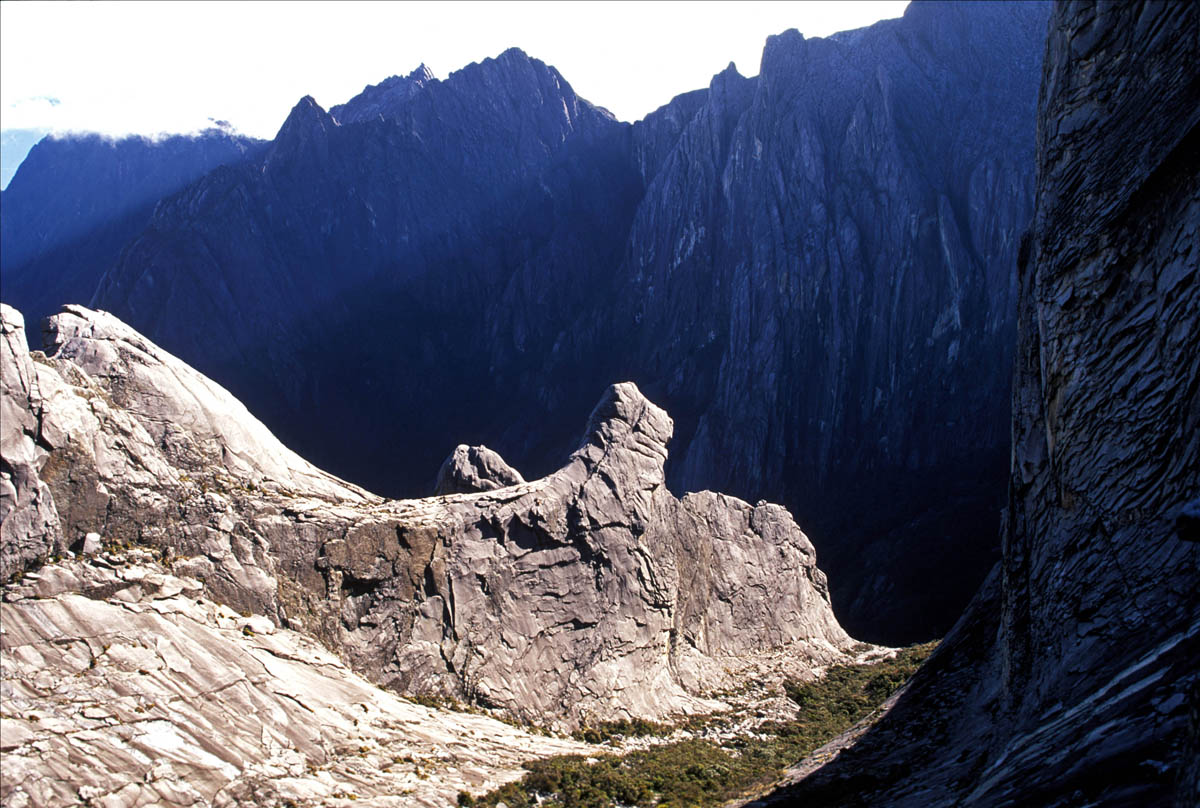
<point>385,99</point>
<point>514,53</point>
<point>728,76</point>
<point>306,128</point>
<point>422,74</point>
<point>306,111</point>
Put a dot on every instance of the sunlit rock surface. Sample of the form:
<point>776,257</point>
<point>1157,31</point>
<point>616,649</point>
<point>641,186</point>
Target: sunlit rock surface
<point>590,593</point>
<point>475,468</point>
<point>123,685</point>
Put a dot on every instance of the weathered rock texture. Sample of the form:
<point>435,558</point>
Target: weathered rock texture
<point>592,592</point>
<point>475,468</point>
<point>29,526</point>
<point>122,685</point>
<point>1072,679</point>
<point>813,269</point>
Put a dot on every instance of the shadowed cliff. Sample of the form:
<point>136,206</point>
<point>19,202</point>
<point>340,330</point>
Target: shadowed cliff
<point>1072,679</point>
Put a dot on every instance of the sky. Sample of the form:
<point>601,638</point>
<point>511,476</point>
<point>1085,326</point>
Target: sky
<point>150,67</point>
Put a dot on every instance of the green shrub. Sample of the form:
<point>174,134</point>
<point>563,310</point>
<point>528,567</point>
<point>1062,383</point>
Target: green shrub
<point>702,773</point>
<point>625,728</point>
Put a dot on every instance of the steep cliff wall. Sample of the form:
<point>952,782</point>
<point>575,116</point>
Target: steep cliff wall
<point>824,266</point>
<point>1072,678</point>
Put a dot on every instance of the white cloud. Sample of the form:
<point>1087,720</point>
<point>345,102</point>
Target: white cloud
<point>150,67</point>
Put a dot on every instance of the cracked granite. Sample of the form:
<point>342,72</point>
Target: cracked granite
<point>122,685</point>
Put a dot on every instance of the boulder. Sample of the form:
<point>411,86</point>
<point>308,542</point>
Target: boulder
<point>475,468</point>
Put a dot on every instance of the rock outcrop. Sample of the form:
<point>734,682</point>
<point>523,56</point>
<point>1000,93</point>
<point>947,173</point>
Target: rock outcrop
<point>1072,678</point>
<point>29,527</point>
<point>590,593</point>
<point>812,269</point>
<point>475,468</point>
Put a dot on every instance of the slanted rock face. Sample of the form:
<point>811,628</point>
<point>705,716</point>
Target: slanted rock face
<point>29,526</point>
<point>123,685</point>
<point>1068,681</point>
<point>475,468</point>
<point>592,592</point>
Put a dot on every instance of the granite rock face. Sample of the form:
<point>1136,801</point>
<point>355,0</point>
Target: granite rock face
<point>831,249</point>
<point>29,525</point>
<point>590,593</point>
<point>813,269</point>
<point>124,685</point>
<point>1072,678</point>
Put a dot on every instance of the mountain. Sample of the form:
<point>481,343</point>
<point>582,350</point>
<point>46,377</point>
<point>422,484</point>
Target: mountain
<point>14,145</point>
<point>820,259</point>
<point>1072,677</point>
<point>77,199</point>
<point>470,203</point>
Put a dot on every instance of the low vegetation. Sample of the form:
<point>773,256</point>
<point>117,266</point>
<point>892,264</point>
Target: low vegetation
<point>702,772</point>
<point>608,731</point>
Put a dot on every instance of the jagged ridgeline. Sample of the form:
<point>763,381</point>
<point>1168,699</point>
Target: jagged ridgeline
<point>813,270</point>
<point>592,592</point>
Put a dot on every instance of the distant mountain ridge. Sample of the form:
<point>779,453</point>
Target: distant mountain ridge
<point>821,259</point>
<point>76,200</point>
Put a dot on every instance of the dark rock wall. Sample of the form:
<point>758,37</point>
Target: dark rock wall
<point>825,265</point>
<point>402,277</point>
<point>77,200</point>
<point>1071,679</point>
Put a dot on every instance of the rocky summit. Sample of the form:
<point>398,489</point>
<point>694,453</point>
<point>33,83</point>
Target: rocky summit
<point>144,510</point>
